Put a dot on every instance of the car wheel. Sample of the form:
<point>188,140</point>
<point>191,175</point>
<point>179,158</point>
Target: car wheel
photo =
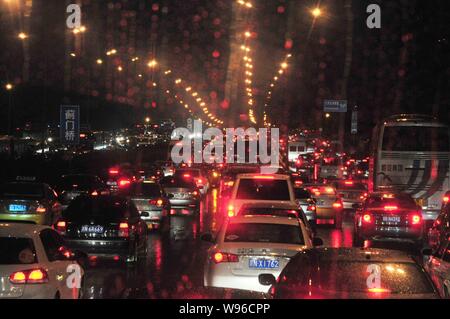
<point>133,257</point>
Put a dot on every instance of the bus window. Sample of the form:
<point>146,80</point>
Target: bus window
<point>416,139</point>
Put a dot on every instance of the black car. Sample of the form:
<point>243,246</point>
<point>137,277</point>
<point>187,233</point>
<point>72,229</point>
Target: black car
<point>71,186</point>
<point>351,273</point>
<point>104,226</point>
<point>389,216</point>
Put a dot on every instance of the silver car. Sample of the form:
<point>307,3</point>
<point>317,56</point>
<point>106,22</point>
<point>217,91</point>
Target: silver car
<point>183,194</point>
<point>247,246</point>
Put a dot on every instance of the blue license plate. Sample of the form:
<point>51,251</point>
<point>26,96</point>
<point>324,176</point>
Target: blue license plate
<point>264,263</point>
<point>95,229</point>
<point>17,208</point>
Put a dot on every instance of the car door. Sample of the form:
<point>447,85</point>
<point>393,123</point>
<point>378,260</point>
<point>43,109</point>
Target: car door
<point>58,264</point>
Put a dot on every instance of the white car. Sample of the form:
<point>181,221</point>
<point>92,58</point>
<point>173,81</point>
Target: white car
<point>247,246</point>
<point>260,189</point>
<point>34,264</point>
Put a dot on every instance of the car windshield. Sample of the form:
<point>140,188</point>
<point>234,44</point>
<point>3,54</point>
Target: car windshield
<point>263,233</point>
<point>336,278</point>
<point>260,189</point>
<point>17,251</point>
<point>21,190</point>
<point>178,182</point>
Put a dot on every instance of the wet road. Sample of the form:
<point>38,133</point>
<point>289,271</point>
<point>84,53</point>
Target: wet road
<point>174,266</point>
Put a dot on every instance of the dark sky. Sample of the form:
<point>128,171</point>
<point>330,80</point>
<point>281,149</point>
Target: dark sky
<point>403,67</point>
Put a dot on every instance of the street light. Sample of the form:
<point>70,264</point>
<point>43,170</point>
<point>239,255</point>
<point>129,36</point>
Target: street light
<point>22,36</point>
<point>316,12</point>
<point>153,63</point>
<point>9,86</point>
<point>147,120</point>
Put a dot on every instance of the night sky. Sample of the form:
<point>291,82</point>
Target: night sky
<point>402,67</point>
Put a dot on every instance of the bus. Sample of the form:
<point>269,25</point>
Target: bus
<point>411,153</point>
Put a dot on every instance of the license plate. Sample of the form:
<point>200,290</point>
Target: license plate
<point>111,183</point>
<point>17,208</point>
<point>391,219</point>
<point>264,263</point>
<point>92,229</point>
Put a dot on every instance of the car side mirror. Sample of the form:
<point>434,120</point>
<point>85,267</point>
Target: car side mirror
<point>317,242</point>
<point>267,279</point>
<point>207,237</point>
<point>145,214</point>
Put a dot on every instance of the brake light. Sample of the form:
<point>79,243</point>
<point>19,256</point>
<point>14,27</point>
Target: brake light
<point>390,208</point>
<point>157,202</point>
<point>113,171</point>
<point>379,290</point>
<point>61,226</point>
<point>31,276</point>
<point>41,209</point>
<point>186,175</point>
<point>416,219</point>
<point>124,182</point>
<point>229,184</point>
<point>298,182</point>
<point>200,181</point>
<point>231,212</point>
<point>446,199</point>
<point>311,207</point>
<point>264,177</point>
<point>367,218</point>
<point>225,258</point>
<point>124,230</point>
<point>94,193</point>
<point>349,183</point>
<point>337,205</point>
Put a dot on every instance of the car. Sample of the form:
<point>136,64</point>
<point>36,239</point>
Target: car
<point>31,202</point>
<point>184,195</point>
<point>35,263</point>
<point>71,186</point>
<point>352,192</point>
<point>329,205</point>
<point>104,226</point>
<point>389,216</point>
<point>351,273</point>
<point>441,227</point>
<point>197,175</point>
<point>307,204</point>
<point>249,245</point>
<point>152,203</point>
<point>260,188</point>
<point>166,166</point>
<point>120,177</point>
<point>437,264</point>
<point>445,200</point>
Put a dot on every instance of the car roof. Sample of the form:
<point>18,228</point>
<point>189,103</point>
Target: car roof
<point>362,254</point>
<point>254,175</point>
<point>257,219</point>
<point>11,229</point>
<point>278,205</point>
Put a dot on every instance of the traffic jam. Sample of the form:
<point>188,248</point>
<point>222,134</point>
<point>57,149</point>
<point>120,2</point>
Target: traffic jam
<point>343,202</point>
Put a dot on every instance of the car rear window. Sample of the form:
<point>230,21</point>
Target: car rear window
<point>263,189</point>
<point>176,182</point>
<point>108,208</point>
<point>144,189</point>
<point>400,201</point>
<point>21,190</point>
<point>191,173</point>
<point>79,182</point>
<point>269,212</point>
<point>264,233</point>
<point>302,193</point>
<point>17,251</point>
<point>351,186</point>
<point>353,276</point>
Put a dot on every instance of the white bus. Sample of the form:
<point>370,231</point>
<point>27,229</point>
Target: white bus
<point>411,153</point>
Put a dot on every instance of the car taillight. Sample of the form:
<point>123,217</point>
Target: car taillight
<point>113,171</point>
<point>231,212</point>
<point>31,276</point>
<point>200,181</point>
<point>446,199</point>
<point>229,184</point>
<point>337,205</point>
<point>367,218</point>
<point>225,258</point>
<point>157,202</point>
<point>124,182</point>
<point>124,230</point>
<point>195,193</point>
<point>311,207</point>
<point>61,227</point>
<point>416,219</point>
<point>94,193</point>
<point>41,209</point>
<point>390,208</point>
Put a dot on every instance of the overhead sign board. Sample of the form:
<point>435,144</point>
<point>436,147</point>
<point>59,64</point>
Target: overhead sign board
<point>335,106</point>
<point>70,124</point>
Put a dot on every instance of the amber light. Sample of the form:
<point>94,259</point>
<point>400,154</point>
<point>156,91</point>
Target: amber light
<point>367,218</point>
